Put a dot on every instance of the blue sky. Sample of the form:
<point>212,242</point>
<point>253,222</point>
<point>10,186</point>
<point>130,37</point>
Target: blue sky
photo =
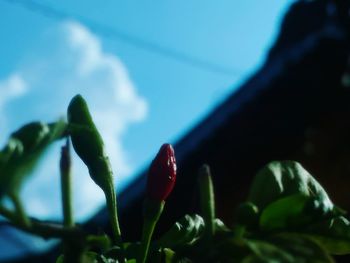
<point>140,99</point>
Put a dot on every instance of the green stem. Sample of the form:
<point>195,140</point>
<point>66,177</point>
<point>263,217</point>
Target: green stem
<point>111,201</point>
<point>152,212</point>
<point>207,199</point>
<point>72,249</point>
<point>147,232</point>
<point>43,229</point>
<point>66,186</point>
<point>21,216</point>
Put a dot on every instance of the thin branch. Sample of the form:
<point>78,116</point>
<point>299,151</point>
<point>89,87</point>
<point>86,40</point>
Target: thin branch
<point>43,229</point>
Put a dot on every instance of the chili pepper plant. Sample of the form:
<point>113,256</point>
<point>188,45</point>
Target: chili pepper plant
<point>287,217</point>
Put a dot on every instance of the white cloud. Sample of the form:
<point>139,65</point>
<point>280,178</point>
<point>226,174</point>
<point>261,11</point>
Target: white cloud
<point>10,88</point>
<point>71,60</point>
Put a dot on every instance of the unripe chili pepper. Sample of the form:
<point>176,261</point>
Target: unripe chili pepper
<point>88,144</point>
<point>162,174</point>
<point>86,139</point>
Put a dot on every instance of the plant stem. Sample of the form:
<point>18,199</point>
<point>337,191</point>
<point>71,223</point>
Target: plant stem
<point>43,229</point>
<point>21,215</point>
<point>72,248</point>
<point>111,201</point>
<point>147,232</point>
<point>152,211</point>
<point>66,185</point>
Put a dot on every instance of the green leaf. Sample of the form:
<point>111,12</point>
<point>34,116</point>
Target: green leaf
<point>169,255</point>
<point>23,151</point>
<point>247,214</point>
<point>282,178</point>
<point>285,212</point>
<point>60,259</point>
<point>286,248</point>
<point>333,234</point>
<point>90,257</point>
<point>220,226</point>
<point>186,231</point>
<point>222,249</point>
<point>13,148</point>
<point>131,250</point>
<point>267,252</point>
<point>303,249</point>
<point>102,242</point>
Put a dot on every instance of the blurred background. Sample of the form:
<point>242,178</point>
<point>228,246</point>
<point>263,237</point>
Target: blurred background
<point>231,83</point>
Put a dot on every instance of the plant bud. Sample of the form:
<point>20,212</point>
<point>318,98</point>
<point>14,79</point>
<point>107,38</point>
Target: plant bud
<point>86,140</point>
<point>162,174</point>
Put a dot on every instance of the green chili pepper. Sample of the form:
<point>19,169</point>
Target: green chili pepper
<point>86,139</point>
<point>88,144</point>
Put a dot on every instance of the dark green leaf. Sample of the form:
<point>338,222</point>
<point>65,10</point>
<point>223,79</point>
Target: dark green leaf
<point>333,234</point>
<point>220,226</point>
<point>286,248</point>
<point>131,250</point>
<point>247,214</point>
<point>303,249</point>
<point>280,179</point>
<point>267,252</point>
<point>102,242</point>
<point>168,255</point>
<point>23,151</point>
<point>186,231</point>
<point>285,212</point>
<point>90,257</point>
<point>224,249</point>
<point>60,259</point>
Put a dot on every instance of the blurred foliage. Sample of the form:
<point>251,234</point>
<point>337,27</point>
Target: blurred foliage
<point>288,215</point>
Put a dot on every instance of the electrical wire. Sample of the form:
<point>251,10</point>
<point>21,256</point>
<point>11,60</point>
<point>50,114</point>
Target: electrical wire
<point>113,33</point>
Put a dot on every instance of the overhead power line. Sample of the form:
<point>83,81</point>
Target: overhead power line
<point>135,41</point>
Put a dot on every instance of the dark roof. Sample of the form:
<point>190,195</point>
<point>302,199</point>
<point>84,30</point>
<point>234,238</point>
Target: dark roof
<point>264,120</point>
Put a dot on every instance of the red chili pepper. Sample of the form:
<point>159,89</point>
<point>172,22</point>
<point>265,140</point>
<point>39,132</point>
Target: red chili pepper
<point>162,174</point>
